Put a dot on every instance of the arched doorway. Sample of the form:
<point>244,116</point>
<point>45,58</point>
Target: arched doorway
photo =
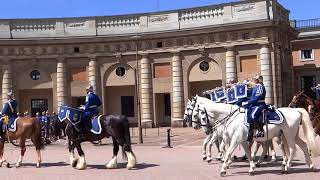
<point>204,74</point>
<point>119,89</point>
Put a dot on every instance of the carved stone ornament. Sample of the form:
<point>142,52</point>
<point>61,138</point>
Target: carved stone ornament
<point>158,18</point>
<point>244,8</point>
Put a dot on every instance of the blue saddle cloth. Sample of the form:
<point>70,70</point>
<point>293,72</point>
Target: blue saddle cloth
<point>69,113</point>
<point>96,125</point>
<point>272,117</point>
<point>12,125</point>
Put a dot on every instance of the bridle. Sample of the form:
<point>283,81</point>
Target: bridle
<point>218,122</point>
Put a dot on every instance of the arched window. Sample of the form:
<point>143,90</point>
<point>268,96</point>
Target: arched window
<point>35,75</point>
<point>120,71</point>
<point>204,66</point>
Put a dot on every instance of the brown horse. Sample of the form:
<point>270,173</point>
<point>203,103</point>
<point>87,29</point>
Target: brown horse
<point>301,100</point>
<point>27,128</point>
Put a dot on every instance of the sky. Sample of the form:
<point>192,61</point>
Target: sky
<point>300,9</point>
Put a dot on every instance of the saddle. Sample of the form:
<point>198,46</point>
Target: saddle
<point>269,116</point>
<point>9,124</point>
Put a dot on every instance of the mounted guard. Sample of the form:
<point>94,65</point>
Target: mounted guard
<point>93,102</point>
<point>255,105</point>
<point>9,111</point>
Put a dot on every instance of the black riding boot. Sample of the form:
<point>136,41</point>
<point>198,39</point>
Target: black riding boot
<point>1,128</point>
<point>260,132</point>
<point>250,134</point>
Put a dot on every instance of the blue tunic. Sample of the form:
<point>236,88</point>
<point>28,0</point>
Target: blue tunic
<point>256,104</point>
<point>10,110</point>
<point>91,107</point>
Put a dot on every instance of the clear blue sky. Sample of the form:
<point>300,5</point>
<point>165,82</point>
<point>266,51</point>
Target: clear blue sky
<point>300,9</point>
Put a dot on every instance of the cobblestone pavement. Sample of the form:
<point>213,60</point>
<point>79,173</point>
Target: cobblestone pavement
<point>183,161</point>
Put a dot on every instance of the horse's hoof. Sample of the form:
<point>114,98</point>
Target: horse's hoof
<point>273,160</point>
<point>235,158</point>
<point>258,165</point>
<point>251,173</point>
<point>17,165</point>
<point>8,165</point>
<point>204,158</point>
<point>38,165</point>
<point>222,174</point>
<point>209,161</point>
<point>244,158</point>
<point>218,159</point>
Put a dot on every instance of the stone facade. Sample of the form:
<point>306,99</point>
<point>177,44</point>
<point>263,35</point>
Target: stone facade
<point>201,47</point>
<point>306,56</point>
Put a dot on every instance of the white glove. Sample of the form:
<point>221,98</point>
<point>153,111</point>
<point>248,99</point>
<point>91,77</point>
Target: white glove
<point>82,107</point>
<point>244,103</point>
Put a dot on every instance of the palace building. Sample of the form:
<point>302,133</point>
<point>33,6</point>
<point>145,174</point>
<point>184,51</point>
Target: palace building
<point>155,60</point>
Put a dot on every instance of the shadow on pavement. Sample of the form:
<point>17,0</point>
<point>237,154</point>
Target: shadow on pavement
<point>124,166</point>
<point>46,164</point>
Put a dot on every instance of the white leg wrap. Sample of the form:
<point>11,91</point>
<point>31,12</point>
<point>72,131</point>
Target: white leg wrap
<point>131,160</point>
<point>81,163</point>
<point>112,164</point>
<point>19,161</point>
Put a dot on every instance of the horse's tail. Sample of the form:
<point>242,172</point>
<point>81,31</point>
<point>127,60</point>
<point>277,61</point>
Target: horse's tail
<point>36,137</point>
<point>127,148</point>
<point>309,132</point>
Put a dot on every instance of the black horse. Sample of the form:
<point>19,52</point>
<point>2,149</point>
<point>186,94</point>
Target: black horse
<point>116,126</point>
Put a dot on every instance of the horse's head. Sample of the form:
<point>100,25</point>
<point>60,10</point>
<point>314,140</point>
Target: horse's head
<point>204,120</point>
<point>301,100</point>
<point>196,124</point>
<point>55,127</point>
<point>188,113</point>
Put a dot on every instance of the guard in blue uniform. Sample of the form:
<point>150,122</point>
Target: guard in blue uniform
<point>91,108</point>
<point>9,110</point>
<point>255,105</point>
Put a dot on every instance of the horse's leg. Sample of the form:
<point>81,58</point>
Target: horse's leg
<point>264,152</point>
<point>204,145</point>
<point>2,160</point>
<point>292,150</point>
<point>23,150</point>
<point>112,164</point>
<point>233,145</point>
<point>218,143</point>
<point>212,140</point>
<point>273,152</point>
<point>72,158</point>
<point>36,140</point>
<point>304,148</point>
<point>82,161</point>
<point>247,151</point>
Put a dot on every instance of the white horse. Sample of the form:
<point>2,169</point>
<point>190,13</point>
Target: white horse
<point>191,113</point>
<point>236,131</point>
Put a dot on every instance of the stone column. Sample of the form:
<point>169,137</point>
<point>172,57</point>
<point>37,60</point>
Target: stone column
<point>146,92</point>
<point>94,75</point>
<point>265,70</point>
<point>62,86</point>
<point>177,91</point>
<point>6,80</point>
<point>231,68</point>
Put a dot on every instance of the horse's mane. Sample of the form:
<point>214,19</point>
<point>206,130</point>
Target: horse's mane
<point>213,106</point>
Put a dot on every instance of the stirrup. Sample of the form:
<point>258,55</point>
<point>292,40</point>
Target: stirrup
<point>260,134</point>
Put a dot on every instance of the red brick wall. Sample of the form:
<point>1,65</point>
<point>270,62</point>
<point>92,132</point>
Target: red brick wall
<point>162,70</point>
<point>78,74</point>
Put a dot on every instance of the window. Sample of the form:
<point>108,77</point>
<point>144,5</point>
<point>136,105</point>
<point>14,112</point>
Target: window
<point>76,49</point>
<point>35,75</point>
<point>38,106</point>
<point>127,106</point>
<point>245,36</point>
<point>248,64</point>
<point>306,54</point>
<point>159,44</point>
<point>120,71</point>
<point>204,66</point>
<point>167,105</point>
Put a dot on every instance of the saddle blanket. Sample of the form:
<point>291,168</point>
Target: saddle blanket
<point>12,125</point>
<point>96,125</point>
<point>272,117</point>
